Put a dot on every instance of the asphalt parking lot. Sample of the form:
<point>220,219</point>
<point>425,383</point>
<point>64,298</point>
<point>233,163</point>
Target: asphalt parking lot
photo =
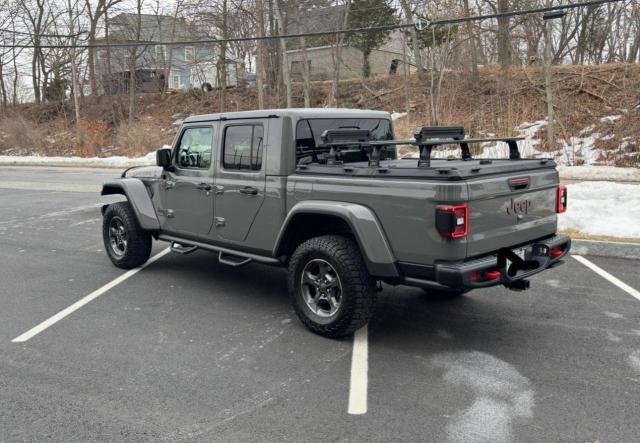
<point>188,349</point>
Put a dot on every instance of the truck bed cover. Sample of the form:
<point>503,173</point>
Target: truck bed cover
<point>440,169</point>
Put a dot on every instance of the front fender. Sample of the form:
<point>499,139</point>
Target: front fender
<point>138,197</point>
<point>365,226</point>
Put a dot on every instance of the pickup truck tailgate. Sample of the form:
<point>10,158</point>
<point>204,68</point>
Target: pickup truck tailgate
<point>510,209</point>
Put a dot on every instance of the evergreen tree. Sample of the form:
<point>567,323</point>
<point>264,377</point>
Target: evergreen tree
<point>367,14</point>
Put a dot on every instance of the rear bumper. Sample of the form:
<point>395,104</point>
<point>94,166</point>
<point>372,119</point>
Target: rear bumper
<point>489,270</point>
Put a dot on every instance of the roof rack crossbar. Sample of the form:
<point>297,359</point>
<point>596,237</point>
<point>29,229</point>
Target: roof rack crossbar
<point>428,133</point>
<point>426,138</point>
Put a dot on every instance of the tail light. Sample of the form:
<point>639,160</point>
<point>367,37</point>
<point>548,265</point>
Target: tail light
<point>452,221</point>
<point>556,252</point>
<point>561,200</point>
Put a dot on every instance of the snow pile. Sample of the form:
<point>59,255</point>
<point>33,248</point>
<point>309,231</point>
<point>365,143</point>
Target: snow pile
<point>397,115</point>
<point>92,162</point>
<point>603,208</point>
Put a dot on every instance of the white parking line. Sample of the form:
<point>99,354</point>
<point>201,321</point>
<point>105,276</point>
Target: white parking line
<point>604,274</point>
<point>83,301</point>
<point>359,373</point>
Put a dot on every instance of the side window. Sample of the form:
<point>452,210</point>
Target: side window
<point>194,149</point>
<point>243,147</point>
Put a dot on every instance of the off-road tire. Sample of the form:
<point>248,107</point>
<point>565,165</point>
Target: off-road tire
<point>138,241</point>
<point>358,293</point>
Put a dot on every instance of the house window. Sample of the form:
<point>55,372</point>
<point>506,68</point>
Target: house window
<point>161,52</point>
<point>175,80</point>
<point>243,147</point>
<point>189,54</point>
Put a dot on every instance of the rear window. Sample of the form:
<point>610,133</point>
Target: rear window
<point>309,132</point>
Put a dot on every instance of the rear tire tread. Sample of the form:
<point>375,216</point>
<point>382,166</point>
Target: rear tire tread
<point>359,292</point>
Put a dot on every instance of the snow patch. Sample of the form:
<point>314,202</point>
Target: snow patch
<point>594,209</point>
<point>610,118</point>
<point>91,162</point>
<point>397,115</point>
<point>502,396</point>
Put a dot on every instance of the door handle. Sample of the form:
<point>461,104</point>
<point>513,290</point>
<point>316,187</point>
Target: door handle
<point>204,186</point>
<point>249,190</point>
<point>219,189</point>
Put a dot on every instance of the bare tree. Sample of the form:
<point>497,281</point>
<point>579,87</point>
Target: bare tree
<point>37,17</point>
<point>260,58</point>
<point>306,81</point>
<point>133,61</point>
<point>94,15</point>
<point>336,54</point>
<point>72,26</point>
<point>222,60</point>
<point>281,15</point>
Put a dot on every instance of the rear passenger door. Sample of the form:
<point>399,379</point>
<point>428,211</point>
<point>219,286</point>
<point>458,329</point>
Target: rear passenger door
<point>240,178</point>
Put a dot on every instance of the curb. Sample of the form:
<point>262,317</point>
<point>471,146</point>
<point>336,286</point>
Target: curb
<point>605,249</point>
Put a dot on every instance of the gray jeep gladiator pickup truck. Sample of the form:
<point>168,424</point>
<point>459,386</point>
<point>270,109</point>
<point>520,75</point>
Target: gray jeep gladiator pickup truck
<point>323,192</point>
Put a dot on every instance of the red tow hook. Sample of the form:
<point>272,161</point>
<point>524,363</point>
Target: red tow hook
<point>491,275</point>
<point>556,252</point>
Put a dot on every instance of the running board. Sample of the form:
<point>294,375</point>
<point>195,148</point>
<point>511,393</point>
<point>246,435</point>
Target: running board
<point>231,260</point>
<point>182,249</point>
<point>245,257</point>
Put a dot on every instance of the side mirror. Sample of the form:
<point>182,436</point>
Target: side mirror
<point>163,157</point>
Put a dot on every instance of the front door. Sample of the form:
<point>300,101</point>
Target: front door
<point>240,178</point>
<point>187,187</point>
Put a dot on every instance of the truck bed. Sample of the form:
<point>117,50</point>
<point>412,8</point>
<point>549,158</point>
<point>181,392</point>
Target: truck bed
<point>404,197</point>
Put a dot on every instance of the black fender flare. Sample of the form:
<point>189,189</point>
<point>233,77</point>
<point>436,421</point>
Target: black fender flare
<point>365,226</point>
<point>137,195</point>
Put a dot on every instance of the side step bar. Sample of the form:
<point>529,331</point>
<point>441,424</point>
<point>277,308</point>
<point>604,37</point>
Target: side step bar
<point>226,256</point>
<point>228,259</point>
<point>182,249</point>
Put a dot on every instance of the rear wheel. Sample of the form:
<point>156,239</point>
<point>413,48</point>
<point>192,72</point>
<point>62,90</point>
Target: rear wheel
<point>127,244</point>
<point>330,287</point>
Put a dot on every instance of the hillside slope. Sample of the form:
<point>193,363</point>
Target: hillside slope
<point>598,111</point>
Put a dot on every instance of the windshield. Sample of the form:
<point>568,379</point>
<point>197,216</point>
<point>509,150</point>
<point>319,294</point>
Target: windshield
<point>309,132</point>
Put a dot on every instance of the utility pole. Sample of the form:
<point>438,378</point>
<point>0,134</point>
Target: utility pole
<point>548,74</point>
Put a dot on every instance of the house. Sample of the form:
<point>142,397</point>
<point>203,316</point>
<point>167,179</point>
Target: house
<point>178,66</point>
<point>383,61</point>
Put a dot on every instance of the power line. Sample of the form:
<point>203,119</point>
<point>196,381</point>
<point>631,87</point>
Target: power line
<point>521,12</point>
<point>365,30</point>
<point>31,34</point>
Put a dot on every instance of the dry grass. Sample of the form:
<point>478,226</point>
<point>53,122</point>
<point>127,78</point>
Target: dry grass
<point>19,135</point>
<point>580,236</point>
<point>140,138</point>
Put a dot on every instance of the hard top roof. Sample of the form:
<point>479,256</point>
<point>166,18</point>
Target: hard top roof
<point>296,113</point>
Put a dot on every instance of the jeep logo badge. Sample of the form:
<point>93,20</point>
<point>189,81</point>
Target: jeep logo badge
<point>518,207</point>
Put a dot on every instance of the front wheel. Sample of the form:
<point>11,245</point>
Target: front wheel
<point>330,287</point>
<point>126,243</point>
